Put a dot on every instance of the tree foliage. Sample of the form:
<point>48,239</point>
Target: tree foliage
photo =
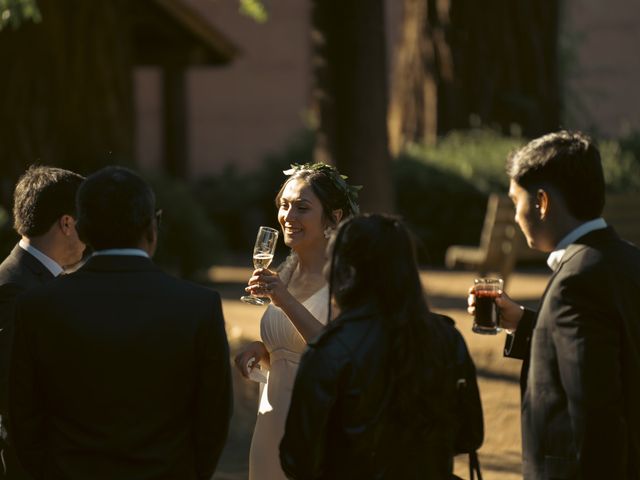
<point>254,9</point>
<point>15,12</point>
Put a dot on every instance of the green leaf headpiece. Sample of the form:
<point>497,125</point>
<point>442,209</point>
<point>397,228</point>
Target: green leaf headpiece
<point>349,191</point>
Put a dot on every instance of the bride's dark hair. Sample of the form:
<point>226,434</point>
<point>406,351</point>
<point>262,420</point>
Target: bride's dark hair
<point>373,262</point>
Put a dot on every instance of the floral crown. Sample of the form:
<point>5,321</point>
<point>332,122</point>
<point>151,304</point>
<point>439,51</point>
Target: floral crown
<point>349,191</point>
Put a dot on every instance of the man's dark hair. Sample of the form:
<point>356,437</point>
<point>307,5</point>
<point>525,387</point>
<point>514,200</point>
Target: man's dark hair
<point>570,163</point>
<point>42,195</point>
<point>116,208</point>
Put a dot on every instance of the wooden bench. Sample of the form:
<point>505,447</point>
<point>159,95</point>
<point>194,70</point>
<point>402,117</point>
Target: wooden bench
<point>502,243</point>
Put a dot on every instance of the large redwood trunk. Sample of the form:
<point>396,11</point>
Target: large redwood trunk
<point>350,95</point>
<point>463,63</point>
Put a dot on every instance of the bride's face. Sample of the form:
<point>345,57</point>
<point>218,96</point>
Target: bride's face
<point>301,217</point>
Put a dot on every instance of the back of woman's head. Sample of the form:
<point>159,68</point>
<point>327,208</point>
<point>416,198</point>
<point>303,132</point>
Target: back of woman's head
<point>373,260</point>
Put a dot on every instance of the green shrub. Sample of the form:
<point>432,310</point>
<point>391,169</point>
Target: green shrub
<point>630,143</point>
<point>621,168</point>
<point>188,241</point>
<point>477,156</point>
<point>238,203</point>
<point>440,207</point>
<point>441,190</point>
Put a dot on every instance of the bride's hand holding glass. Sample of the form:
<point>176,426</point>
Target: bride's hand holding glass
<point>267,283</point>
<point>263,251</point>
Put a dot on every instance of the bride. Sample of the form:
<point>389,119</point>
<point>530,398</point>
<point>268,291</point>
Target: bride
<point>311,202</point>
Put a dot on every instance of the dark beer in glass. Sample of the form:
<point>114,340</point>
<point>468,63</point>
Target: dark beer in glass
<point>486,290</point>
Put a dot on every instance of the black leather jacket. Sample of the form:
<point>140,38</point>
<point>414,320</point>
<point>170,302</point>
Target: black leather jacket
<point>338,427</point>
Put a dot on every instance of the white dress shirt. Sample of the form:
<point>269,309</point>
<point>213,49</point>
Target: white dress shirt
<point>132,252</point>
<point>48,262</point>
<point>555,257</point>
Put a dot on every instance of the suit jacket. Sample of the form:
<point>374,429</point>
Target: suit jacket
<point>580,415</point>
<point>19,272</point>
<point>119,371</point>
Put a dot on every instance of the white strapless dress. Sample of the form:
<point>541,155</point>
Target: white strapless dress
<point>285,346</point>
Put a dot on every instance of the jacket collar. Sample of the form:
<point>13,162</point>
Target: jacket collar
<point>32,263</point>
<point>555,258</point>
<point>591,239</point>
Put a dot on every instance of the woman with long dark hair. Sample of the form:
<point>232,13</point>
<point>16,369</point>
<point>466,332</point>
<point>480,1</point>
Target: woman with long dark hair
<point>376,395</point>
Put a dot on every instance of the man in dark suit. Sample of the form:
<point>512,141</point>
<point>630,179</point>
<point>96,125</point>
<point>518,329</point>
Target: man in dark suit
<point>119,371</point>
<point>581,350</point>
<point>44,216</point>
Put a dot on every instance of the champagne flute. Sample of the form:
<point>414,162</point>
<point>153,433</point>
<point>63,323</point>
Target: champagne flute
<point>262,256</point>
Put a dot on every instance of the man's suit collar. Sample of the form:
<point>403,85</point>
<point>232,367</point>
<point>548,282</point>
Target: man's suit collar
<point>591,239</point>
<point>555,257</point>
<point>119,263</point>
<point>32,263</point>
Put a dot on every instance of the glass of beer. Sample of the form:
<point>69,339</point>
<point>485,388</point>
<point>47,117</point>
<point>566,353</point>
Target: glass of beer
<point>263,252</point>
<point>486,290</point>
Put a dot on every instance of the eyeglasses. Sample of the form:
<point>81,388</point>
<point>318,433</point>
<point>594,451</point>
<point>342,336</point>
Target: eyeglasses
<point>158,217</point>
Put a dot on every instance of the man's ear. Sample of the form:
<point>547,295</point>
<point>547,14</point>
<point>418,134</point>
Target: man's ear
<point>67,225</point>
<point>542,202</point>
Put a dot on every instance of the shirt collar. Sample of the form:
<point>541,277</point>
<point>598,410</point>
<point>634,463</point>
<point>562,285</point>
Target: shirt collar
<point>48,262</point>
<point>555,257</point>
<point>132,252</point>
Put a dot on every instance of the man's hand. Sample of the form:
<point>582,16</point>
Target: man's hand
<point>510,312</point>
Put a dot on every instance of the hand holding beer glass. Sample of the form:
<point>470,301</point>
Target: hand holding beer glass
<point>487,314</point>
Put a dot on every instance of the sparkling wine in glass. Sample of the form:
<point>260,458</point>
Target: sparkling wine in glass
<point>262,256</point>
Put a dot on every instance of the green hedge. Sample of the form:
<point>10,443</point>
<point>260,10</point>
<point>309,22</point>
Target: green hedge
<point>238,203</point>
<point>479,157</point>
<point>442,190</point>
<point>188,240</point>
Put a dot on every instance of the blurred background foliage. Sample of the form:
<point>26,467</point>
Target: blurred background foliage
<point>188,241</point>
<point>14,12</point>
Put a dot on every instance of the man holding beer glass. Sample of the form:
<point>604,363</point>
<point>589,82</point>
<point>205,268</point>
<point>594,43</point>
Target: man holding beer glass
<point>581,350</point>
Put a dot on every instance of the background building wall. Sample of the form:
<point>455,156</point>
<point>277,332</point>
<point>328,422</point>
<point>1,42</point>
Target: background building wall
<point>602,65</point>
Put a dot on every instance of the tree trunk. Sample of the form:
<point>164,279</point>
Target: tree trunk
<point>350,95</point>
<point>67,89</point>
<point>463,63</point>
